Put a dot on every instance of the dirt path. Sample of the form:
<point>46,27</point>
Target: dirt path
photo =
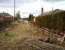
<point>25,30</point>
<point>26,38</point>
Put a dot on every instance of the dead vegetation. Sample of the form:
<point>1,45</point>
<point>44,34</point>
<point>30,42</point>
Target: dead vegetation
<point>16,37</point>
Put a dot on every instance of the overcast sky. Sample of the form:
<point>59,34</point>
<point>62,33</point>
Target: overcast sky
<point>30,6</point>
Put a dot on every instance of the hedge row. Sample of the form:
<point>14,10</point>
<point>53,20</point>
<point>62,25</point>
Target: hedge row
<point>52,21</point>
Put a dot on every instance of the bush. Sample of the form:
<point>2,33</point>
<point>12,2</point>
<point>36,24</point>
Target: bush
<point>30,17</point>
<point>18,16</point>
<point>57,21</point>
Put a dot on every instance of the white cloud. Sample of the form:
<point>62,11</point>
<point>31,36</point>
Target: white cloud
<point>34,8</point>
<point>30,6</point>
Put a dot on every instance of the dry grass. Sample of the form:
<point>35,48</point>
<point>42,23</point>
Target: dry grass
<point>14,38</point>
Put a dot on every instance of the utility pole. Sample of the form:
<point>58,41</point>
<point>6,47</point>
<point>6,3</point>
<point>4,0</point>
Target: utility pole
<point>14,11</point>
<point>41,11</point>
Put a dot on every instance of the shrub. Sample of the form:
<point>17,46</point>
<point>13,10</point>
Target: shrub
<point>57,21</point>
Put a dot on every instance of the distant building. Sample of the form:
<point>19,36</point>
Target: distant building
<point>5,14</point>
<point>25,19</point>
<point>5,17</point>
